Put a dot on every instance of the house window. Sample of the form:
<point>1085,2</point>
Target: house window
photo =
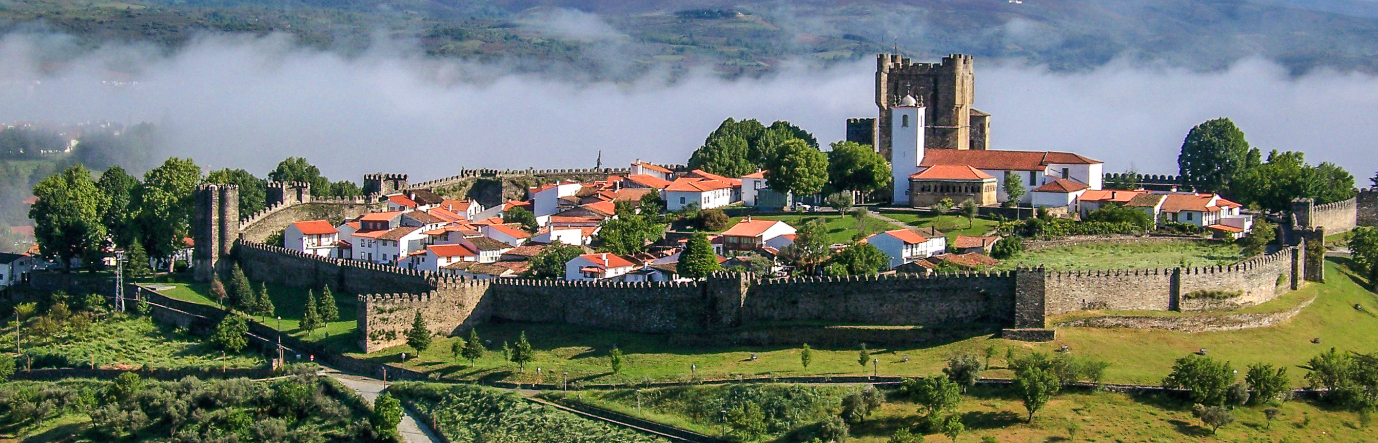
<point>1188,216</point>
<point>904,121</point>
<point>1066,173</point>
<point>681,200</point>
<point>1033,177</point>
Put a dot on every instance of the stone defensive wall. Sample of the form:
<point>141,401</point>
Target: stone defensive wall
<point>260,226</point>
<point>469,174</point>
<point>1153,182</point>
<point>1247,283</point>
<point>1366,207</point>
<point>1337,217</point>
<point>283,266</point>
<point>898,299</point>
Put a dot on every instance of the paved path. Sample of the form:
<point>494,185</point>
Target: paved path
<point>410,428</point>
<point>889,220</point>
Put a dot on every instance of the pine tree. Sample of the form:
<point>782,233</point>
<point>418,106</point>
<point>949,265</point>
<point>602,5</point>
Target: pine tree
<point>419,336</point>
<point>806,355</point>
<point>473,347</point>
<point>326,306</point>
<point>311,319</point>
<point>522,353</point>
<point>241,291</point>
<point>265,302</point>
<point>136,263</point>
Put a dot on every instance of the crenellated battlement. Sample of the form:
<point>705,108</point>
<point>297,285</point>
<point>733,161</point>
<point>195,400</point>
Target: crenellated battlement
<point>468,174</point>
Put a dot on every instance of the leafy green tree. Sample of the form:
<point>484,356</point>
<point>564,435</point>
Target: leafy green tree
<point>747,421</point>
<point>326,306</point>
<point>713,219</point>
<point>935,395</point>
<point>805,355</point>
<point>964,369</point>
<point>1035,387</point>
<point>387,413</point>
<point>67,217</point>
<point>698,259</point>
<point>810,247</point>
<point>126,386</point>
<point>473,347</point>
<point>952,427</point>
<point>841,201</point>
<point>651,203</point>
<point>6,367</point>
<point>798,168</point>
<point>118,212</point>
<point>1014,189</point>
<point>1007,247</point>
<point>346,188</point>
<point>833,429</point>
<point>863,357</point>
<point>1363,246</point>
<point>1213,416</point>
<point>1287,176</point>
<point>419,336</point>
<point>857,167</point>
<point>165,205</point>
<point>789,130</point>
<point>229,334</point>
<point>523,216</point>
<point>1213,154</point>
<point>862,258</point>
<point>241,292</point>
<point>265,306</point>
<point>1116,213</point>
<point>310,320</point>
<point>628,234</point>
<point>942,207</point>
<point>522,353</point>
<point>136,262</point>
<point>1260,236</point>
<point>970,210</point>
<point>253,191</point>
<point>615,360</point>
<point>1206,378</point>
<point>550,262</point>
<point>1331,371</point>
<point>297,169</point>
<point>726,156</point>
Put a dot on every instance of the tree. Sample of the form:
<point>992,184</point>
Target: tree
<point>164,204</point>
<point>265,307</point>
<point>241,292</point>
<point>841,201</point>
<point>725,156</point>
<point>387,413</point>
<point>1212,155</point>
<point>229,334</point>
<point>833,429</point>
<point>1035,387</point>
<point>473,347</point>
<point>936,395</point>
<point>117,215</point>
<point>218,291</point>
<point>326,306</point>
<point>1363,246</point>
<point>628,234</point>
<point>1206,378</point>
<point>747,421</point>
<point>253,191</point>
<point>810,247</point>
<point>550,262</point>
<point>1014,189</point>
<point>964,369</point>
<point>953,427</point>
<point>1213,416</point>
<point>1007,247</point>
<point>698,259</point>
<point>615,360</point>
<point>1116,213</point>
<point>941,207</point>
<point>862,258</point>
<point>6,367</point>
<point>126,386</point>
<point>970,210</point>
<point>713,219</point>
<point>67,216</point>
<point>863,357</point>
<point>297,169</point>
<point>136,263</point>
<point>797,168</point>
<point>854,408</point>
<point>419,336</point>
<point>651,203</point>
<point>805,355</point>
<point>523,216</point>
<point>1287,176</point>
<point>522,353</point>
<point>1330,370</point>
<point>857,167</point>
<point>310,320</point>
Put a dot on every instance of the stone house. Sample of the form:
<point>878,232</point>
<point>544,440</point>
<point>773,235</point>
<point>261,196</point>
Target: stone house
<point>957,182</point>
<point>967,244</point>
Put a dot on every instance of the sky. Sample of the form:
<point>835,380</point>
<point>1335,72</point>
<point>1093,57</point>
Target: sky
<point>248,102</point>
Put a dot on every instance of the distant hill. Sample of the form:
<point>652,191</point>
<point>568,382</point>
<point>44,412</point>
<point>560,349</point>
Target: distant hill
<point>746,38</point>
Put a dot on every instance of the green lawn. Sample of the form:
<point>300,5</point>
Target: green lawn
<point>127,341</point>
<point>1111,255</point>
<point>290,304</point>
<point>1137,356</point>
<point>951,224</point>
<point>841,228</point>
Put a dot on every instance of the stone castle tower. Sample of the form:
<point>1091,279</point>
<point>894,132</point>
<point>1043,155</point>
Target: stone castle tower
<point>215,227</point>
<point>289,193</point>
<point>384,184</point>
<point>945,89</point>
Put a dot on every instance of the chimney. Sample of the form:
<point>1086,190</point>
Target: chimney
<point>604,257</point>
<point>748,218</point>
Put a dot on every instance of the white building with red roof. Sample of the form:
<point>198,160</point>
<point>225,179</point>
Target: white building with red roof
<point>598,267</point>
<point>704,193</point>
<point>750,235</point>
<point>642,168</point>
<point>545,200</point>
<point>904,246</point>
<point>315,237</point>
<point>1059,193</point>
<point>506,233</point>
<point>1092,199</point>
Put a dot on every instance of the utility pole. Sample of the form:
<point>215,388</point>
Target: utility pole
<point>119,281</point>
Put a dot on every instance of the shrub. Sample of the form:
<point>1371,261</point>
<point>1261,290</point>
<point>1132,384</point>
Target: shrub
<point>387,413</point>
<point>475,413</point>
<point>1007,247</point>
<point>1213,416</point>
<point>713,219</point>
<point>1213,294</point>
<point>229,334</point>
<point>1205,378</point>
<point>746,421</point>
<point>1269,383</point>
<point>6,367</point>
<point>936,395</point>
<point>964,369</point>
<point>126,386</point>
<point>833,429</point>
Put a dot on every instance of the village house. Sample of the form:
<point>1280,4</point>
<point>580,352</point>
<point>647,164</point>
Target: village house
<point>904,246</point>
<point>508,234</point>
<point>597,267</point>
<point>545,200</point>
<point>1061,193</point>
<point>14,268</point>
<point>957,183</point>
<point>965,244</point>
<point>642,168</point>
<point>698,192</point>
<point>315,237</point>
<point>751,235</point>
<point>436,257</point>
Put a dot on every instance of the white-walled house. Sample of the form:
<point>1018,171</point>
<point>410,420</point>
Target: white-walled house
<point>904,246</point>
<point>390,246</point>
<point>14,268</point>
<point>570,235</point>
<point>1060,193</point>
<point>752,184</point>
<point>642,168</point>
<point>545,200</point>
<point>315,237</point>
<point>436,257</point>
<point>597,267</point>
<point>506,233</point>
<point>750,235</point>
<point>706,194</point>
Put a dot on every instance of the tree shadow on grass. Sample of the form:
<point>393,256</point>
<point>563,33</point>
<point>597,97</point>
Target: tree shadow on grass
<point>881,427</point>
<point>1189,429</point>
<point>60,433</point>
<point>991,419</point>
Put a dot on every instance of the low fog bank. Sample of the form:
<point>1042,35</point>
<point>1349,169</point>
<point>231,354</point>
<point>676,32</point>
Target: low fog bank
<point>234,101</point>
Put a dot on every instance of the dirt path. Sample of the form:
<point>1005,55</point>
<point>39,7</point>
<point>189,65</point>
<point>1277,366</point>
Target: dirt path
<point>410,428</point>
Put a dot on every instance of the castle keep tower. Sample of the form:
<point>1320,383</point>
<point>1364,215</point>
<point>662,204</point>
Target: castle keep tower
<point>384,184</point>
<point>214,226</point>
<point>289,193</point>
<point>945,89</point>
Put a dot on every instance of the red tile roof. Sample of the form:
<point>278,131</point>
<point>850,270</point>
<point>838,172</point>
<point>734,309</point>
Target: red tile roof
<point>456,205</point>
<point>380,216</point>
<point>968,260</point>
<point>907,236</point>
<point>33,199</point>
<point>527,250</point>
<point>315,227</point>
<point>699,173</point>
<point>451,251</point>
<point>1187,202</point>
<point>964,242</point>
<point>757,174</point>
<point>1002,160</point>
<point>648,181</point>
<point>515,204</point>
<point>446,215</point>
<point>655,168</point>
<point>605,260</point>
<point>1226,228</point>
<point>603,207</point>
<point>1061,185</point>
<point>951,172</point>
<point>374,234</point>
<point>510,231</point>
<point>1110,195</point>
<point>687,184</point>
<point>750,228</point>
<point>402,200</point>
<point>397,233</point>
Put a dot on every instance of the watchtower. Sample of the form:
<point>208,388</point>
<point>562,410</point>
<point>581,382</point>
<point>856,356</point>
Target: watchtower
<point>384,184</point>
<point>945,89</point>
<point>289,193</point>
<point>214,228</point>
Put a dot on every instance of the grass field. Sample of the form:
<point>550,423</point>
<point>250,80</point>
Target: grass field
<point>1128,256</point>
<point>127,341</point>
<point>951,224</point>
<point>1136,356</point>
<point>842,228</point>
<point>290,304</point>
<point>1075,415</point>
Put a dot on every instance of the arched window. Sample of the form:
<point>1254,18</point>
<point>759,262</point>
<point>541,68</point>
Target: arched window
<point>904,121</point>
